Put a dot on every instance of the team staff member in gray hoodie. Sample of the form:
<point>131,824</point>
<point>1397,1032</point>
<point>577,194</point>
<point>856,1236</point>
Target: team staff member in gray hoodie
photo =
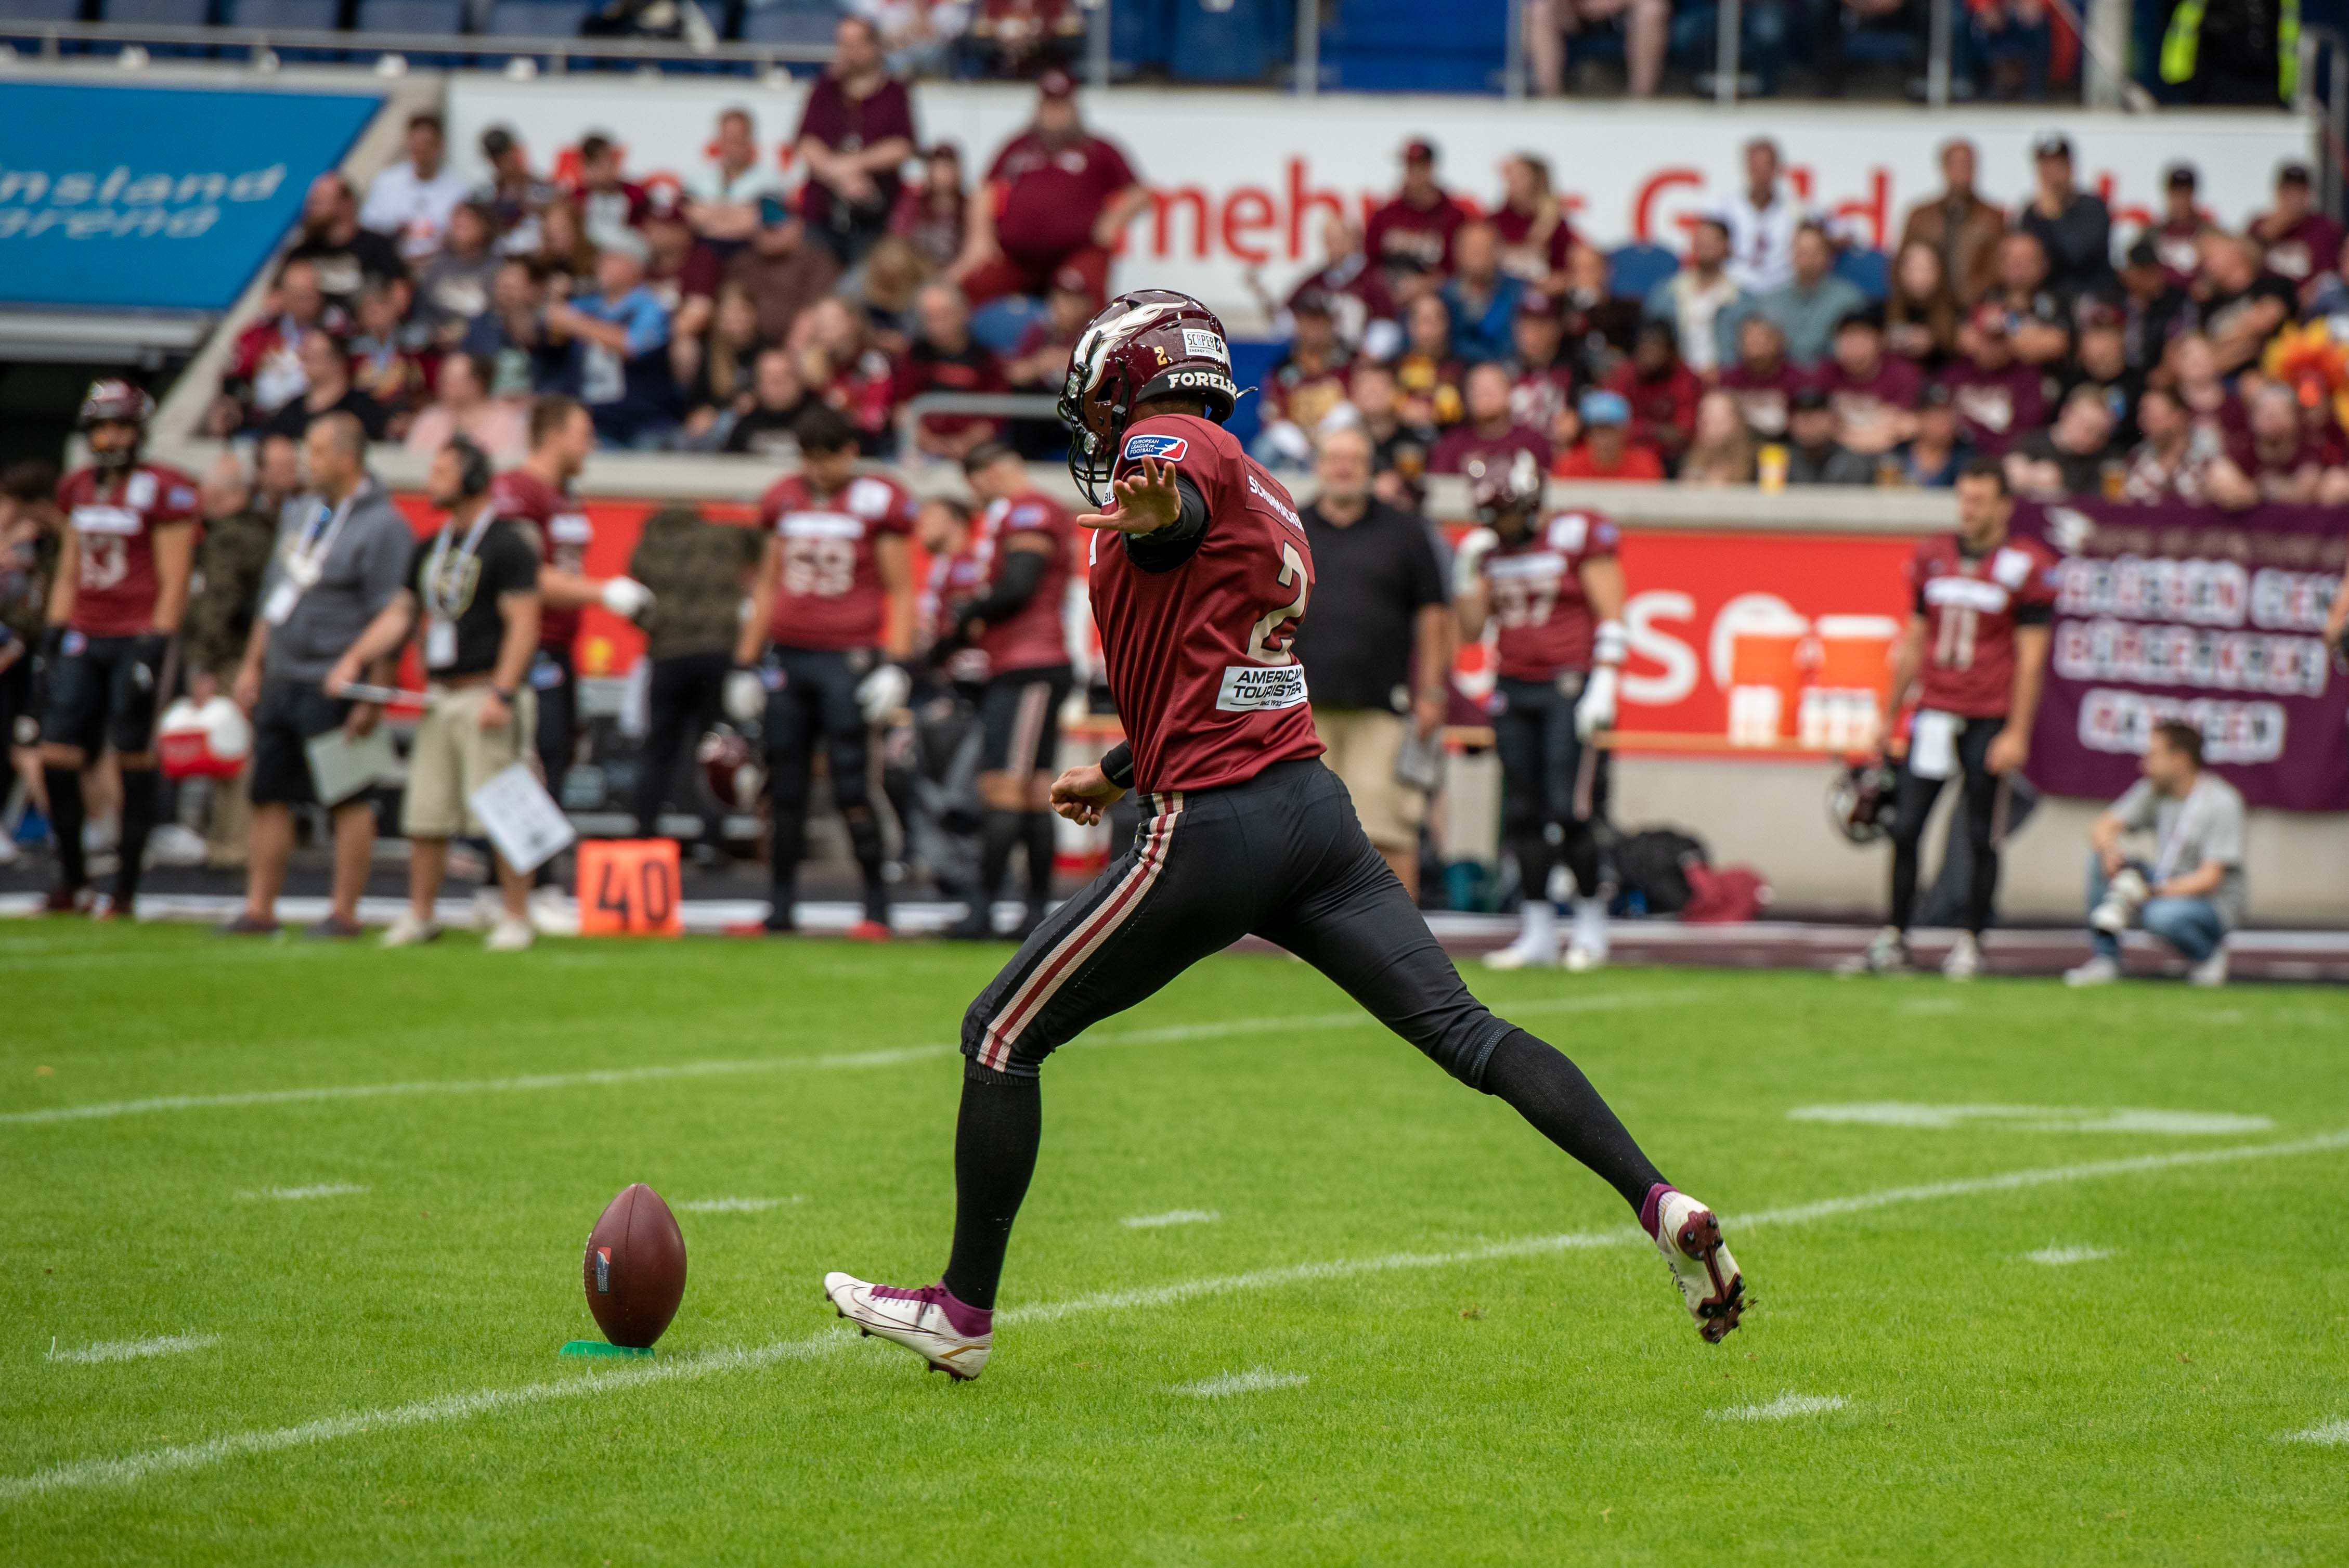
<point>342,556</point>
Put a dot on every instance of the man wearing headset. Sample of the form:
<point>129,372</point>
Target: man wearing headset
<point>471,599</point>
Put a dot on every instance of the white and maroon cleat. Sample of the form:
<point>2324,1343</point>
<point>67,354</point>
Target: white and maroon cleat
<point>1689,1236</point>
<point>923,1321</point>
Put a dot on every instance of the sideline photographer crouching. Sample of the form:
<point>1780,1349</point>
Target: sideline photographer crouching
<point>2190,894</point>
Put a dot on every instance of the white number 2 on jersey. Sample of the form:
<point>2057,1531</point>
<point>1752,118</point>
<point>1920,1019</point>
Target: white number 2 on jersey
<point>1268,642</point>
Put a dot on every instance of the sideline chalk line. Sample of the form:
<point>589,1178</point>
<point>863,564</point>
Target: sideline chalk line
<point>886,1057</point>
<point>130,1469</point>
<point>135,1349</point>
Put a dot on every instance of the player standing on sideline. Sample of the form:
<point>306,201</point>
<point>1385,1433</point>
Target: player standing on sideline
<point>834,593</point>
<point>1026,544</point>
<point>537,495</point>
<point>1554,596</point>
<point>111,644</point>
<point>1199,573</point>
<point>1975,648</point>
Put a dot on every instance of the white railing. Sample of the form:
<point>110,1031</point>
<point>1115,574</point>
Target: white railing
<point>261,45</point>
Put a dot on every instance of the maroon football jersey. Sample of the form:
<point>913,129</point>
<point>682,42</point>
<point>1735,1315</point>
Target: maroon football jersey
<point>1969,606</point>
<point>560,530</point>
<point>1541,616</point>
<point>954,581</point>
<point>1199,657</point>
<point>1036,635</point>
<point>829,593</point>
<point>114,527</point>
<point>1764,397</point>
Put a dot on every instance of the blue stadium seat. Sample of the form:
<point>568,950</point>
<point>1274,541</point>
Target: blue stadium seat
<point>1232,40</point>
<point>999,322</point>
<point>415,17</point>
<point>1867,270</point>
<point>535,18</point>
<point>40,11</point>
<point>791,22</point>
<point>1140,33</point>
<point>318,16</point>
<point>1633,270</point>
<point>160,13</point>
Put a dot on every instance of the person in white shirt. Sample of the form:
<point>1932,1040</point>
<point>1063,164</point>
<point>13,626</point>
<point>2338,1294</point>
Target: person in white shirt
<point>732,196</point>
<point>1761,221</point>
<point>411,201</point>
<point>2191,893</point>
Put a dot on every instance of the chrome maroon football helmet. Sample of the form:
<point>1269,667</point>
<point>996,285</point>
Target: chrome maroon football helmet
<point>1505,489</point>
<point>114,402</point>
<point>1142,345</point>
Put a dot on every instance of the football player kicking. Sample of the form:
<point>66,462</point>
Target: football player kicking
<point>111,647</point>
<point>1554,593</point>
<point>1199,573</point>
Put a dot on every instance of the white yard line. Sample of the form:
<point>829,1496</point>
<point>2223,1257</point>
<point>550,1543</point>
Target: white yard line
<point>1254,1381</point>
<point>300,1194</point>
<point>2055,1257</point>
<point>131,1468</point>
<point>1172,1217</point>
<point>1783,1407</point>
<point>2037,1118</point>
<point>735,1205</point>
<point>137,1349</point>
<point>2333,1434</point>
<point>465,1088</point>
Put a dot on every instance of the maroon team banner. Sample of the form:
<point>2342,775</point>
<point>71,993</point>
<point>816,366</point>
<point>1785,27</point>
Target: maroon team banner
<point>2217,618</point>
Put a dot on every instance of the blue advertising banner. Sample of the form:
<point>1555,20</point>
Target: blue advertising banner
<point>156,198</point>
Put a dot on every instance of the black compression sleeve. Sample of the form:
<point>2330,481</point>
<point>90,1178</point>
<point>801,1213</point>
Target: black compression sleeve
<point>1176,543</point>
<point>1022,574</point>
<point>1117,765</point>
<point>2034,615</point>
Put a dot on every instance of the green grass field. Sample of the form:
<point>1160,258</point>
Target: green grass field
<point>1410,1332</point>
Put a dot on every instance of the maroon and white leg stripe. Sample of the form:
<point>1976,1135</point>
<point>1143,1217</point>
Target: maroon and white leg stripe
<point>1069,954</point>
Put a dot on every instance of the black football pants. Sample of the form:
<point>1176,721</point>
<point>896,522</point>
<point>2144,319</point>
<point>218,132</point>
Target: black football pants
<point>1984,804</point>
<point>1552,787</point>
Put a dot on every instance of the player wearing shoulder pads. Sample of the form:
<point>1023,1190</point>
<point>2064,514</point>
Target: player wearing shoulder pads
<point>1551,591</point>
<point>110,647</point>
<point>833,600</point>
<point>1199,573</point>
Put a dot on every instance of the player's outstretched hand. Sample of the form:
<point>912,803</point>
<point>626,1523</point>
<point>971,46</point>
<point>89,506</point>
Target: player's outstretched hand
<point>1082,794</point>
<point>1146,500</point>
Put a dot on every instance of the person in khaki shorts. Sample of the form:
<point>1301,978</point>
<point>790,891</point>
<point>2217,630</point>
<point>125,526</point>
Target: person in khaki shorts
<point>471,598</point>
<point>1376,646</point>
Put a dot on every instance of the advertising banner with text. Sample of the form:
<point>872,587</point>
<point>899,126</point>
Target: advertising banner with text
<point>1241,180</point>
<point>2216,617</point>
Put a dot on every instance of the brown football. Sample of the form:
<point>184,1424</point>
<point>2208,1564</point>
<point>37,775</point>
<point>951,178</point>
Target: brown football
<point>635,1271</point>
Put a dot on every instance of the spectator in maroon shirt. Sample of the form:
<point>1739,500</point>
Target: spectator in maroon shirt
<point>2202,389</point>
<point>1413,228</point>
<point>1874,394</point>
<point>1536,238</point>
<point>2177,238</point>
<point>1011,37</point>
<point>1998,401</point>
<point>856,133</point>
<point>945,358</point>
<point>2301,241</point>
<point>1359,302</point>
<point>1764,381</point>
<point>934,215</point>
<point>1057,197</point>
<point>609,203</point>
<point>1660,391</point>
<point>1487,430</point>
<point>2273,459</point>
<point>1308,382</point>
<point>1547,382</point>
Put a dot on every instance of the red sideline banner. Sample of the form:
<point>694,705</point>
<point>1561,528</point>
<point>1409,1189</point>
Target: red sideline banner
<point>2187,612</point>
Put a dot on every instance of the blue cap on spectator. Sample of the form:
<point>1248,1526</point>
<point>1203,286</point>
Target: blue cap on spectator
<point>1603,408</point>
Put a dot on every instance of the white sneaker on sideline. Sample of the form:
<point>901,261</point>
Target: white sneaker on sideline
<point>1581,959</point>
<point>2211,971</point>
<point>552,912</point>
<point>1887,954</point>
<point>1532,949</point>
<point>2098,971</point>
<point>488,905</point>
<point>1964,961</point>
<point>172,845</point>
<point>407,931</point>
<point>510,935</point>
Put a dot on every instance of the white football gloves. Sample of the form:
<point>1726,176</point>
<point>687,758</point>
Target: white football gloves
<point>883,692</point>
<point>1468,562</point>
<point>1595,709</point>
<point>745,697</point>
<point>625,598</point>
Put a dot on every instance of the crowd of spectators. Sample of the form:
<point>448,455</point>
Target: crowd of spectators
<point>709,314</point>
<point>2194,364</point>
<point>701,316</point>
